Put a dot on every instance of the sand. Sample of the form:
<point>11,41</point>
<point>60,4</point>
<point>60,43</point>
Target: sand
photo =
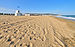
<point>36,31</point>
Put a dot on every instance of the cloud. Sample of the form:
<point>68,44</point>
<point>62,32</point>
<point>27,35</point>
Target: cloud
<point>6,10</point>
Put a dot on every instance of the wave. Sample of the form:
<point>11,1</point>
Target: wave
<point>70,18</point>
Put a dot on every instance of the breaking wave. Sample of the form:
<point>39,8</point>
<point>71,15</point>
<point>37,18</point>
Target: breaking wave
<point>70,18</point>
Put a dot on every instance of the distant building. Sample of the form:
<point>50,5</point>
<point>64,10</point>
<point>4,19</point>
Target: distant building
<point>27,14</point>
<point>17,13</point>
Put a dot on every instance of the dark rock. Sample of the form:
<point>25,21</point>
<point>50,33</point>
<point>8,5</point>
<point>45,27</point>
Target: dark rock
<point>1,37</point>
<point>12,42</point>
<point>9,39</point>
<point>20,44</point>
<point>30,38</point>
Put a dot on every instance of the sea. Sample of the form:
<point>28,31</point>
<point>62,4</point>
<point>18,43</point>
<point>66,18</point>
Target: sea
<point>69,17</point>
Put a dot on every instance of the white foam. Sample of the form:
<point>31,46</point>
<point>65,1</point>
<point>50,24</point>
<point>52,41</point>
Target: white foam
<point>71,18</point>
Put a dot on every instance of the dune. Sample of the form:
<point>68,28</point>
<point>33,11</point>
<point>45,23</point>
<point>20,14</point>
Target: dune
<point>36,31</point>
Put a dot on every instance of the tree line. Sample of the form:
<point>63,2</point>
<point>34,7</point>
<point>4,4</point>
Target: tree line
<point>6,14</point>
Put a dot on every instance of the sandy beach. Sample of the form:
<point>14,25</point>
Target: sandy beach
<point>36,31</point>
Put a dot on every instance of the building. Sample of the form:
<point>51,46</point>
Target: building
<point>27,14</point>
<point>17,13</point>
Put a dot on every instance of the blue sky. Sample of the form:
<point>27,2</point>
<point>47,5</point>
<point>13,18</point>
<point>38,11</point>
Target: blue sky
<point>39,6</point>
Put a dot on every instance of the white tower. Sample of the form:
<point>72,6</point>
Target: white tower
<point>17,13</point>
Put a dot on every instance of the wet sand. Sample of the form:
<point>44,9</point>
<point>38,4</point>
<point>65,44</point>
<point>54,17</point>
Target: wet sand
<point>36,31</point>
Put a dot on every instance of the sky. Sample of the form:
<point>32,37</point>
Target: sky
<point>65,7</point>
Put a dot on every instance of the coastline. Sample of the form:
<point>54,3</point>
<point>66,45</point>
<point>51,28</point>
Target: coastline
<point>70,23</point>
<point>64,17</point>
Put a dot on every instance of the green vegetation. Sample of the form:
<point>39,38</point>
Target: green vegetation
<point>1,13</point>
<point>6,14</point>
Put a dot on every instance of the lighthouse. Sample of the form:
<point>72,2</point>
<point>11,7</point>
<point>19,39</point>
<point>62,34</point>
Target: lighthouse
<point>17,13</point>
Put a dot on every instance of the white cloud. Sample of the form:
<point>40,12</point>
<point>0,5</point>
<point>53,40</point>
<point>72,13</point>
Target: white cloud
<point>6,10</point>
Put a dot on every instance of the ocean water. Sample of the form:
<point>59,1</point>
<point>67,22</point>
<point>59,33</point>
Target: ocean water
<point>69,17</point>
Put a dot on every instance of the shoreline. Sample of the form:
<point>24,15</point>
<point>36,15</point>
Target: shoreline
<point>68,18</point>
<point>70,23</point>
